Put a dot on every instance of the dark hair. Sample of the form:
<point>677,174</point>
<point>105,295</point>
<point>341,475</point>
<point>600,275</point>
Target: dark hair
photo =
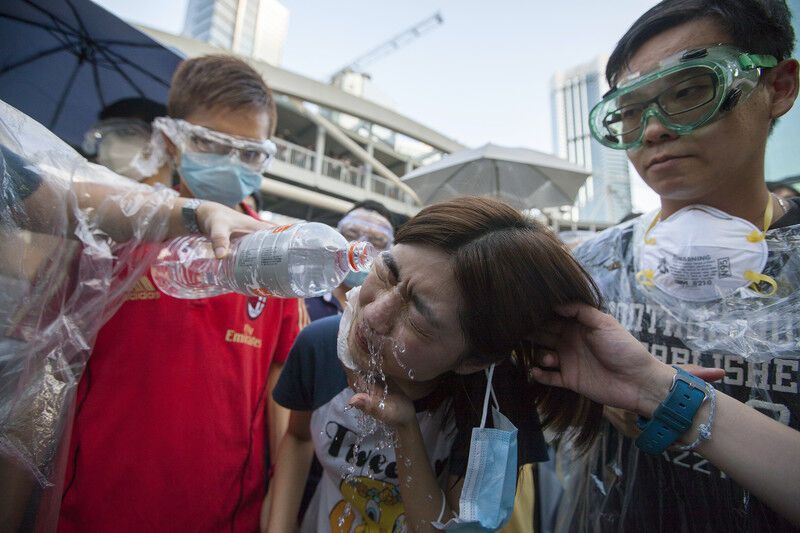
<point>756,26</point>
<point>219,81</point>
<point>778,186</point>
<point>512,272</point>
<point>142,108</point>
<point>372,205</point>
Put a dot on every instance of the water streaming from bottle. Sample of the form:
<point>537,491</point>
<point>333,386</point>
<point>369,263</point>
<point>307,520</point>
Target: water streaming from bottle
<point>368,380</point>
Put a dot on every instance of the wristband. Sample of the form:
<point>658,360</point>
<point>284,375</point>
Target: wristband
<point>189,215</point>
<point>673,417</point>
<point>704,430</point>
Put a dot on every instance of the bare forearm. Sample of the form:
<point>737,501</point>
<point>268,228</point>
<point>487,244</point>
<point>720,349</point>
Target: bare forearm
<point>419,488</point>
<point>288,482</point>
<point>595,356</point>
<point>756,451</point>
<point>759,453</point>
<point>124,213</point>
<point>278,422</point>
<point>278,416</point>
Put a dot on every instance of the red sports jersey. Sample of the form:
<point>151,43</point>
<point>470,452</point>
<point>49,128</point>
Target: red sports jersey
<point>169,431</point>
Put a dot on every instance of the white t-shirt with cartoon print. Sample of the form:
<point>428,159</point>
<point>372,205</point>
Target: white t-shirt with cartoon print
<point>313,379</point>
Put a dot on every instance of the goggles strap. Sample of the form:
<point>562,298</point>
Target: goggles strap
<point>751,61</point>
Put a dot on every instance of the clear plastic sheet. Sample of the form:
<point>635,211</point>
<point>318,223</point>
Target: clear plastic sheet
<point>746,323</point>
<point>754,338</point>
<point>70,235</point>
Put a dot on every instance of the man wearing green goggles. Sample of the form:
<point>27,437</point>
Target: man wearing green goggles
<point>696,86</point>
<point>685,91</point>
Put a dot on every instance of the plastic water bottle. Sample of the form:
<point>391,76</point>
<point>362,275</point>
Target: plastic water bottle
<point>299,260</point>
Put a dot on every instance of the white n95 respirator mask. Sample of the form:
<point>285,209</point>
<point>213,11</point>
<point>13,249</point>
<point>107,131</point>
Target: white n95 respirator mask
<point>701,254</point>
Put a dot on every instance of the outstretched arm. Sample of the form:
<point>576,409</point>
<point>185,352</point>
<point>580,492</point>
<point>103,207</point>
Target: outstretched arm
<point>214,220</point>
<point>40,202</point>
<point>594,355</point>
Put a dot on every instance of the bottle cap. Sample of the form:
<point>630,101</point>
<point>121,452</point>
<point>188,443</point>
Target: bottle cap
<point>360,255</point>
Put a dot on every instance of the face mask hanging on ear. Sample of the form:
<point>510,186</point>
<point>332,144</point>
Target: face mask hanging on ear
<point>490,483</point>
<point>701,254</point>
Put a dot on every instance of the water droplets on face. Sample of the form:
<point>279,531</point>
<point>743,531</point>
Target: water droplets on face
<point>368,380</point>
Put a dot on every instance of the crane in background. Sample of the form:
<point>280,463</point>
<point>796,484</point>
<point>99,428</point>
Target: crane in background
<point>392,45</point>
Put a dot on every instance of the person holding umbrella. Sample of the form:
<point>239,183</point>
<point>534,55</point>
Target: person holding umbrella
<point>174,413</point>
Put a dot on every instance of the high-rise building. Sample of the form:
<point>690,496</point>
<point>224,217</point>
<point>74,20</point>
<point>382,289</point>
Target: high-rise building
<point>782,160</point>
<point>254,28</point>
<point>606,195</point>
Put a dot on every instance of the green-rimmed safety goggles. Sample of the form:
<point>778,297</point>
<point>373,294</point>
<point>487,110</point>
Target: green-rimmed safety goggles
<point>687,91</point>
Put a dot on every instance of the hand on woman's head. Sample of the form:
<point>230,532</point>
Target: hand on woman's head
<point>593,355</point>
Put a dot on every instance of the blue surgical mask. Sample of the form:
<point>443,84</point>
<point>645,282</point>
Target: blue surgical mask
<point>355,279</point>
<point>490,483</point>
<point>215,177</point>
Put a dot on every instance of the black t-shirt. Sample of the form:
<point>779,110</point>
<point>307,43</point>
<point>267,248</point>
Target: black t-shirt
<point>792,215</point>
<point>626,490</point>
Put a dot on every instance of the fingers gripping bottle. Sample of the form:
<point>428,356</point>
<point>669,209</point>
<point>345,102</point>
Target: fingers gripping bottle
<point>300,260</point>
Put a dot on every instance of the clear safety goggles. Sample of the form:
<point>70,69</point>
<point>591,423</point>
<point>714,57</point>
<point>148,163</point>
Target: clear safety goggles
<point>687,91</point>
<point>366,225</point>
<point>255,155</point>
<point>127,130</point>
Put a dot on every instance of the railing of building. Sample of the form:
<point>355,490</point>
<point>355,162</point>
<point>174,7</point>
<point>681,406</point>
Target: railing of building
<point>559,225</point>
<point>339,170</point>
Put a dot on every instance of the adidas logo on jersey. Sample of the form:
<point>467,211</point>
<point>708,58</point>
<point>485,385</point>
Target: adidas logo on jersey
<point>143,290</point>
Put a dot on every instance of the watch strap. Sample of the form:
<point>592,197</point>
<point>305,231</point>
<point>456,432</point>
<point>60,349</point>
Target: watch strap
<point>674,416</point>
<point>189,215</point>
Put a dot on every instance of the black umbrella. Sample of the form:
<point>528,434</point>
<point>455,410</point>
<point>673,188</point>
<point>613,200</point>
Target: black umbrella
<point>63,61</point>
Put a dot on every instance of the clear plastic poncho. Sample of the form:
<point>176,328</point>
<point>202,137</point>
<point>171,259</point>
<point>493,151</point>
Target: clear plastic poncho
<point>68,232</point>
<point>753,337</point>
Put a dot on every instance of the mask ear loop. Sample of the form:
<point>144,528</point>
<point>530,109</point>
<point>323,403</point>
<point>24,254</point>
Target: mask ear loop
<point>489,391</point>
<point>645,277</point>
<point>755,278</point>
<point>656,220</point>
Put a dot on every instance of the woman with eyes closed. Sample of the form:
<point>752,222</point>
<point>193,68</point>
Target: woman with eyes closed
<point>463,288</point>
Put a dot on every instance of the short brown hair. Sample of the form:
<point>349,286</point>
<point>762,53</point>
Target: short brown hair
<point>512,272</point>
<point>219,81</point>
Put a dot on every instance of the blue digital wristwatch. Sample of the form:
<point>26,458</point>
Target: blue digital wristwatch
<point>673,417</point>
